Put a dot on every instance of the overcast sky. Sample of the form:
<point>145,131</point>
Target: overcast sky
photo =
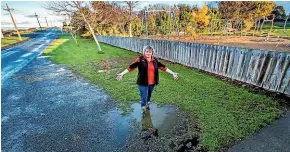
<point>24,12</point>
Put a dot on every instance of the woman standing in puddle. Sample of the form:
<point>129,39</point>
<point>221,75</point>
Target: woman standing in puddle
<point>148,75</point>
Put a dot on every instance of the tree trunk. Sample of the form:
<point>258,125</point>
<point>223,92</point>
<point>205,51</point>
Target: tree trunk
<point>75,38</point>
<point>130,29</point>
<point>92,31</point>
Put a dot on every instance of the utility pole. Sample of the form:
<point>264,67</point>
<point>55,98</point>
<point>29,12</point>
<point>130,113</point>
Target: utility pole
<point>46,22</point>
<point>38,20</point>
<point>9,10</point>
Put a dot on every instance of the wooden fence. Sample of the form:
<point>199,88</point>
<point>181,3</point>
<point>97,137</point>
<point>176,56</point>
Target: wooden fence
<point>267,69</point>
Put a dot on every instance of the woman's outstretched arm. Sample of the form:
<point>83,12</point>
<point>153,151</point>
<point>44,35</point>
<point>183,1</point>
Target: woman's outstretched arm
<point>129,69</point>
<point>166,69</point>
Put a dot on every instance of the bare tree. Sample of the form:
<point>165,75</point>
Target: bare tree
<point>130,5</point>
<point>74,7</point>
<point>107,15</point>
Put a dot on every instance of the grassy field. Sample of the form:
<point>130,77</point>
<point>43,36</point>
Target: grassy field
<point>277,25</point>
<point>278,29</point>
<point>11,40</point>
<point>224,113</point>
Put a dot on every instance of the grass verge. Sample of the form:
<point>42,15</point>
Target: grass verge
<point>11,40</point>
<point>224,112</point>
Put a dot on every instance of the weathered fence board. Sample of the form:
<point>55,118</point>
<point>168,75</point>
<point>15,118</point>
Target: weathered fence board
<point>285,74</point>
<point>267,69</point>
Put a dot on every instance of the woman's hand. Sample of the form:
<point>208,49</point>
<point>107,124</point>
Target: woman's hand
<point>119,76</point>
<point>175,76</point>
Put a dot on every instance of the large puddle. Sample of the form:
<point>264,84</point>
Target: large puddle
<point>157,129</point>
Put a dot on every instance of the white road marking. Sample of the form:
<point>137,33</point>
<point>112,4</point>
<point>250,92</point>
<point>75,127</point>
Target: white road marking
<point>18,60</point>
<point>4,55</point>
<point>27,54</point>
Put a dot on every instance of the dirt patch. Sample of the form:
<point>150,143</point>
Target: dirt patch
<point>183,137</point>
<point>112,64</point>
<point>236,41</point>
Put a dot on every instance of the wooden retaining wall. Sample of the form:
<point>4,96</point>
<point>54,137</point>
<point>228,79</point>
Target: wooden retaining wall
<point>267,69</point>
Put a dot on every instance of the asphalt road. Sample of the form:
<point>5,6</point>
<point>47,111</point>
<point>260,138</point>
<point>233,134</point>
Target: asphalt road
<point>272,138</point>
<point>14,59</point>
<point>45,107</point>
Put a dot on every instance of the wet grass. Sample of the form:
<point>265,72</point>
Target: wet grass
<point>225,113</point>
<point>11,40</point>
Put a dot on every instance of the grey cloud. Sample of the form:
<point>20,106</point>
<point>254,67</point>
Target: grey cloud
<point>30,16</point>
<point>24,22</point>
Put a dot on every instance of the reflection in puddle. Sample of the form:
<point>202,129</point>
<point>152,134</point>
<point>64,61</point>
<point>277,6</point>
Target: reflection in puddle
<point>161,117</point>
<point>148,130</point>
<point>146,121</point>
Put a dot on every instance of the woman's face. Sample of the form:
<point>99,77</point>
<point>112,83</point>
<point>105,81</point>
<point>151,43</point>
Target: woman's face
<point>148,53</point>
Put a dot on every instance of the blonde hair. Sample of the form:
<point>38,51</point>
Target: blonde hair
<point>148,47</point>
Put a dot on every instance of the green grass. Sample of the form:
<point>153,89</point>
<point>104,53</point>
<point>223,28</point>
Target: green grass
<point>224,112</point>
<point>277,25</point>
<point>278,29</point>
<point>11,40</point>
